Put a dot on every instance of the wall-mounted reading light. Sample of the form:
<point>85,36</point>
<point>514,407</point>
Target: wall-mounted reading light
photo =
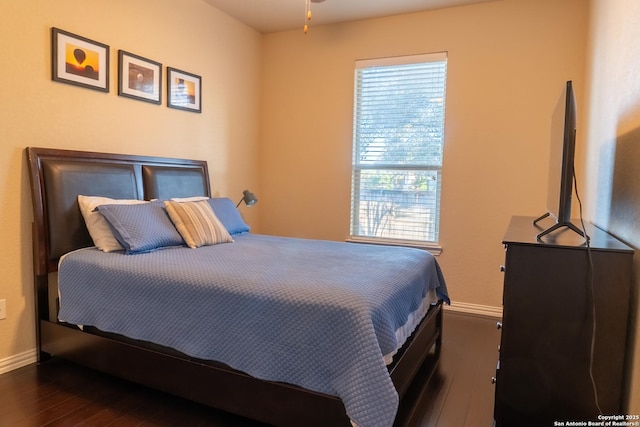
<point>248,198</point>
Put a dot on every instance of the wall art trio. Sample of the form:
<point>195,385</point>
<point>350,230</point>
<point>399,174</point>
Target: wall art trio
<point>79,61</point>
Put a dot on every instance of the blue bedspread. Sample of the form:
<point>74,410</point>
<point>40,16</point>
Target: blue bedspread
<point>318,314</point>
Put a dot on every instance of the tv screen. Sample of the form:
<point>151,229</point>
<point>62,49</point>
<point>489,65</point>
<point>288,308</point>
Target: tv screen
<point>561,155</point>
<point>561,158</point>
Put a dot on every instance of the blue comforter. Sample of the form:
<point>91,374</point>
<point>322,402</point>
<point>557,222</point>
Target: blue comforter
<point>318,314</point>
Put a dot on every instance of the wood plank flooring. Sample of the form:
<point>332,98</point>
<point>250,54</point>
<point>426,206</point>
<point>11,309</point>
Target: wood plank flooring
<point>57,393</point>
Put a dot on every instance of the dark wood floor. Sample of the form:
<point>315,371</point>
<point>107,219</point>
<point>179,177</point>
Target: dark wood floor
<point>57,393</point>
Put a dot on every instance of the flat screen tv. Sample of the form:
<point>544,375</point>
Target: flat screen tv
<point>561,158</point>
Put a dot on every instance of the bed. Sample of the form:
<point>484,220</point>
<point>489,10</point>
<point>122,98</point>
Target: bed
<point>339,342</point>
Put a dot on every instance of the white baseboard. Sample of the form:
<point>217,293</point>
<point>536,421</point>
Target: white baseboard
<point>474,309</point>
<point>18,361</point>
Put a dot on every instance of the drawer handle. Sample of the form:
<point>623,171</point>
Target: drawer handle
<point>503,268</point>
<point>499,325</point>
<point>493,380</point>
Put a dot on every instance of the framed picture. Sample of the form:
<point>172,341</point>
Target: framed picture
<point>139,78</point>
<point>79,61</point>
<point>184,90</point>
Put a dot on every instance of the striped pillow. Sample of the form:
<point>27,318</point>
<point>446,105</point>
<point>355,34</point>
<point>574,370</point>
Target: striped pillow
<point>197,223</point>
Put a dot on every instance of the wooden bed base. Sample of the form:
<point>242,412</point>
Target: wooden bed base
<point>57,177</point>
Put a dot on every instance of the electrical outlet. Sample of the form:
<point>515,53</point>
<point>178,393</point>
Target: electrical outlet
<point>3,309</point>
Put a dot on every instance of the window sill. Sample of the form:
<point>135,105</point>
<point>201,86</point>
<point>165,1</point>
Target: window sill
<point>433,248</point>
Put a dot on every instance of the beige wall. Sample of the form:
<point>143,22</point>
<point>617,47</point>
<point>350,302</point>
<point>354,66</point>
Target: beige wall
<point>189,35</point>
<point>613,157</point>
<point>508,62</point>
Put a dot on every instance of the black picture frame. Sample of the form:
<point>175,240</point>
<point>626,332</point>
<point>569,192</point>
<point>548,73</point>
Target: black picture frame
<point>139,78</point>
<point>184,90</point>
<point>79,61</point>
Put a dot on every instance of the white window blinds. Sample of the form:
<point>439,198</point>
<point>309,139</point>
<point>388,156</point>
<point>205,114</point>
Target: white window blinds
<point>398,141</point>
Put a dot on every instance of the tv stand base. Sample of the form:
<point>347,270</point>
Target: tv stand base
<point>558,225</point>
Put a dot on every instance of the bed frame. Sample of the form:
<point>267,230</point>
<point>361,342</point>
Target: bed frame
<point>57,177</point>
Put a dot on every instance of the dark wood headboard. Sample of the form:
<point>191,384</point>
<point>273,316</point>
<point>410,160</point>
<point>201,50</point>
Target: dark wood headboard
<point>59,176</point>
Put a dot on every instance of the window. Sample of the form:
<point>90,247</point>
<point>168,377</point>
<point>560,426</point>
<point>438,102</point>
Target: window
<point>398,139</point>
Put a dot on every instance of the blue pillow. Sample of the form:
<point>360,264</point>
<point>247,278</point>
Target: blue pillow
<point>141,228</point>
<point>227,213</point>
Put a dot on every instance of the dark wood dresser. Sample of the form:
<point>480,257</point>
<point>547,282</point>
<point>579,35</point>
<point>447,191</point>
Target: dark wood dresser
<point>551,289</point>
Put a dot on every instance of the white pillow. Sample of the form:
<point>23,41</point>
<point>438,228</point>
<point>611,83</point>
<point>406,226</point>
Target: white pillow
<point>189,199</point>
<point>96,224</point>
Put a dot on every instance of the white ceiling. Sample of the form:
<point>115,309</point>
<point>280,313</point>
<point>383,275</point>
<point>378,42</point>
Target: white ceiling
<point>268,16</point>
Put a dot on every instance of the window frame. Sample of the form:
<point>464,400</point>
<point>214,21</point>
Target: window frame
<point>358,166</point>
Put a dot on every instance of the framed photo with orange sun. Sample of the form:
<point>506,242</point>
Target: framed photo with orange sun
<point>139,78</point>
<point>79,61</point>
<point>184,90</point>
